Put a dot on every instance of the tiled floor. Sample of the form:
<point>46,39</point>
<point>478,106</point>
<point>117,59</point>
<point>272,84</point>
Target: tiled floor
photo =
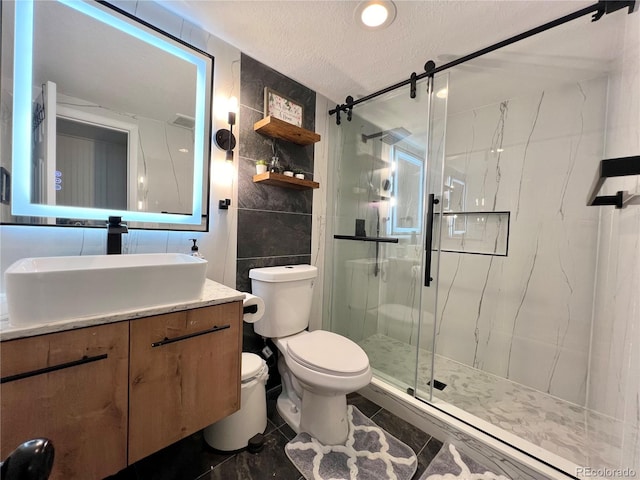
<point>573,432</point>
<point>192,459</point>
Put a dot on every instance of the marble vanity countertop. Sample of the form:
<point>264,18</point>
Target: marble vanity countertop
<point>213,293</point>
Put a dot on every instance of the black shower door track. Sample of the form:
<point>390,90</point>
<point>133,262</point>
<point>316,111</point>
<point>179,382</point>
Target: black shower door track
<point>600,8</point>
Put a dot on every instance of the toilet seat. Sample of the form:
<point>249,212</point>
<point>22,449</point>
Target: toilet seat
<point>328,353</point>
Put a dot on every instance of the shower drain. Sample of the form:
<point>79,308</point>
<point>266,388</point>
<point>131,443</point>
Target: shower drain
<point>437,384</point>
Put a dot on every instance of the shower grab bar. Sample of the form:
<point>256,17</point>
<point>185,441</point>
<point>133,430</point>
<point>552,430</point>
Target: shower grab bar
<point>366,239</point>
<point>377,240</point>
<point>428,243</point>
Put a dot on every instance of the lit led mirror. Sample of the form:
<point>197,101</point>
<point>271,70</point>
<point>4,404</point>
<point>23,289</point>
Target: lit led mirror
<point>107,115</point>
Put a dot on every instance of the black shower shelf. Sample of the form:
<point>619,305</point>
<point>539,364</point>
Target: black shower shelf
<point>367,239</point>
<point>613,167</point>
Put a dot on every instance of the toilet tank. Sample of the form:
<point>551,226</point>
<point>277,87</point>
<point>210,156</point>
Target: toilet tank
<point>286,292</point>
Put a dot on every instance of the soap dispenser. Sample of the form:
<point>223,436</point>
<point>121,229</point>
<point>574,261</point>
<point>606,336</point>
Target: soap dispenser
<point>194,249</point>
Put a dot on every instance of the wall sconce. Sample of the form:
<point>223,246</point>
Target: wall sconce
<point>225,139</point>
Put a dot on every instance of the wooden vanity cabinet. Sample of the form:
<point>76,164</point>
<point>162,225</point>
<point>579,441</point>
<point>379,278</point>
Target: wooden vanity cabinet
<point>69,387</point>
<point>109,395</point>
<point>184,374</point>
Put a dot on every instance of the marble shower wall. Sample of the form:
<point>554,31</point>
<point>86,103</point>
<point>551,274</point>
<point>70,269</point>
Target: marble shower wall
<point>614,383</point>
<point>527,316</point>
<point>355,289</point>
<point>375,288</point>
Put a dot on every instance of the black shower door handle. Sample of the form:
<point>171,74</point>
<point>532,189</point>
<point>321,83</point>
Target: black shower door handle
<point>428,243</point>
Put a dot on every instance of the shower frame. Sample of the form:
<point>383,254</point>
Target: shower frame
<point>599,9</point>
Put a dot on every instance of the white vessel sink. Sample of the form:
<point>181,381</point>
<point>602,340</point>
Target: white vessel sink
<point>51,289</point>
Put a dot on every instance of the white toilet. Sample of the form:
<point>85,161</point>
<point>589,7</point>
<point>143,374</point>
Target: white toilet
<point>318,368</point>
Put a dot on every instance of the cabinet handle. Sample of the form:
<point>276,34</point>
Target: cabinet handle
<point>190,335</point>
<point>53,368</point>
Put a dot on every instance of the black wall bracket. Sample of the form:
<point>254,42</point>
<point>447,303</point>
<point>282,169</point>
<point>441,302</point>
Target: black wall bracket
<point>613,167</point>
<point>610,6</point>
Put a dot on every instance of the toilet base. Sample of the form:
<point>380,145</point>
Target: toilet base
<point>325,417</point>
<point>289,412</point>
<point>322,417</point>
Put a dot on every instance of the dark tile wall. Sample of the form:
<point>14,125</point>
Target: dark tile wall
<point>274,224</point>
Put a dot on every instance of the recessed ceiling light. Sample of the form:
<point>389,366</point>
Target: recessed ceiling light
<point>375,14</point>
<point>442,93</point>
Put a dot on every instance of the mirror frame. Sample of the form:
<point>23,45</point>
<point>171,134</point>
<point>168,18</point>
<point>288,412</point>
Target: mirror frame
<point>21,204</point>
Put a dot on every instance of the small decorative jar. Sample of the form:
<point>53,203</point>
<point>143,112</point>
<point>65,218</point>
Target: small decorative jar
<point>288,171</point>
<point>274,167</point>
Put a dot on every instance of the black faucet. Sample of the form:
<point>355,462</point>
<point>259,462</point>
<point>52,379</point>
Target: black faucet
<point>115,229</point>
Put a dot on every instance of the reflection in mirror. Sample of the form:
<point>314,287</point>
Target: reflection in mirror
<point>109,117</point>
<point>91,168</point>
<point>408,182</point>
<point>454,201</point>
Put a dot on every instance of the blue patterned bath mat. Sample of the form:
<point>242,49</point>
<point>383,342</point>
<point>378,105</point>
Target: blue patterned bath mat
<point>450,464</point>
<point>369,453</point>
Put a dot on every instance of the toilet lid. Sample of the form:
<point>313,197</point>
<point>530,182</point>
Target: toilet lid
<point>328,352</point>
<point>251,365</point>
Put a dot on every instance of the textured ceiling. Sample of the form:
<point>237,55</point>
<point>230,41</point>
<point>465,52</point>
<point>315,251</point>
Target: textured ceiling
<point>319,44</point>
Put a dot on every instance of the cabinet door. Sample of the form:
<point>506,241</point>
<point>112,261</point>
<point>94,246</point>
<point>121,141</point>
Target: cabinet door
<point>184,374</point>
<point>69,387</point>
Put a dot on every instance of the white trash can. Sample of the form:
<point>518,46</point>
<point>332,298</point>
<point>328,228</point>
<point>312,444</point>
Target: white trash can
<point>233,432</point>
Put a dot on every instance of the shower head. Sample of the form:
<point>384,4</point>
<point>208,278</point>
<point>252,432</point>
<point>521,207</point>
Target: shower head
<point>395,135</point>
<point>390,137</point>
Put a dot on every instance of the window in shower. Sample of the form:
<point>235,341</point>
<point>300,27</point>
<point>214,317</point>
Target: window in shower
<point>406,211</point>
<point>454,197</point>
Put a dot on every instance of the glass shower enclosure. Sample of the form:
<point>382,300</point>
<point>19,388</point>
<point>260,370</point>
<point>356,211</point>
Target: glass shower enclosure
<point>384,181</point>
<point>464,258</point>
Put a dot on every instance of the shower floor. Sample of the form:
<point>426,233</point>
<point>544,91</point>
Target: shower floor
<point>581,436</point>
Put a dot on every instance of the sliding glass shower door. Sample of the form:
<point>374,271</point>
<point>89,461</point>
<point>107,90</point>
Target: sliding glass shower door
<point>518,249</point>
<point>382,178</point>
<point>435,200</point>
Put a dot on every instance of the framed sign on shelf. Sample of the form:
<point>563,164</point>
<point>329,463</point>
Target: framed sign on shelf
<point>281,107</point>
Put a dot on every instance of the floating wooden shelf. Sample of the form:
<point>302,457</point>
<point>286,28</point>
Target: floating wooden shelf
<point>279,180</point>
<point>276,128</point>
